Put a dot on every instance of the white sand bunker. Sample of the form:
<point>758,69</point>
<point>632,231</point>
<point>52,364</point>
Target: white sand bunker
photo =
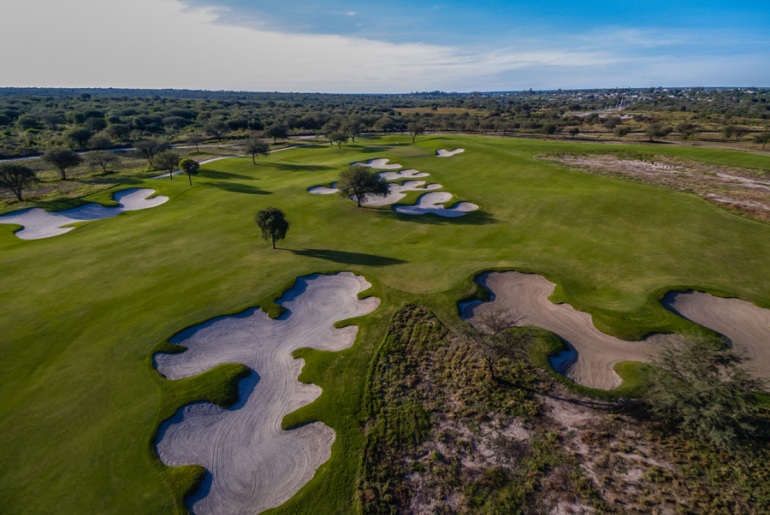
<point>746,325</point>
<point>397,193</point>
<point>403,174</point>
<point>39,223</point>
<point>592,353</point>
<point>449,153</point>
<point>253,464</point>
<point>431,203</point>
<point>379,164</point>
<point>323,190</point>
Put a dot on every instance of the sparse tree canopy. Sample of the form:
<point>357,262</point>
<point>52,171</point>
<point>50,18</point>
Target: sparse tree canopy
<point>168,161</point>
<point>415,129</point>
<point>189,167</point>
<point>574,131</point>
<point>149,148</point>
<point>62,159</point>
<point>194,139</point>
<point>362,182</point>
<point>216,129</point>
<point>277,132</point>
<point>686,130</point>
<point>338,137</point>
<point>79,136</point>
<point>100,142</point>
<point>273,224</point>
<point>17,178</point>
<point>656,130</point>
<point>101,160</point>
<point>353,129</point>
<point>256,147</point>
<point>728,131</point>
<point>705,393</point>
<point>621,132</point>
<point>550,129</point>
<point>761,139</point>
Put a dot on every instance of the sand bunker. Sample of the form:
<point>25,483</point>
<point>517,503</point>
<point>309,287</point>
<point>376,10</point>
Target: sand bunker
<point>379,164</point>
<point>592,353</point>
<point>323,190</point>
<point>403,174</point>
<point>253,464</point>
<point>397,193</point>
<point>39,223</point>
<point>431,203</point>
<point>449,153</point>
<point>746,325</point>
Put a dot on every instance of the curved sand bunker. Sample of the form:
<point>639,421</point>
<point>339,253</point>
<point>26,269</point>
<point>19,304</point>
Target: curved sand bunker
<point>593,353</point>
<point>397,193</point>
<point>746,325</point>
<point>39,223</point>
<point>253,464</point>
<point>431,203</point>
<point>323,190</point>
<point>449,153</point>
<point>403,174</point>
<point>379,164</point>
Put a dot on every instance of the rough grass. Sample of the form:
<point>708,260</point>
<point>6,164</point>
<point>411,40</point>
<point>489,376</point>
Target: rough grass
<point>83,311</point>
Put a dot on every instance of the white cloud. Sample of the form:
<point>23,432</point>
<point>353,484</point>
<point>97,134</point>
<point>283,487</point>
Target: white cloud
<point>351,13</point>
<point>164,44</point>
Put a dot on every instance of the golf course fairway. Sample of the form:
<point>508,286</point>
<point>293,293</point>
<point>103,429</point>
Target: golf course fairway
<point>85,311</point>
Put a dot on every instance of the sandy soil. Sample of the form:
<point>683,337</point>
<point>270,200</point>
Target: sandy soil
<point>593,353</point>
<point>449,153</point>
<point>253,464</point>
<point>403,174</point>
<point>431,203</point>
<point>379,164</point>
<point>746,325</point>
<point>323,190</point>
<point>39,223</point>
<point>397,192</point>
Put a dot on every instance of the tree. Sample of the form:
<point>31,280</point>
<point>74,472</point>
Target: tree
<point>100,142</point>
<point>149,148</point>
<point>273,224</point>
<point>62,159</point>
<point>574,131</point>
<point>189,167</point>
<point>101,160</point>
<point>338,137</point>
<point>549,129</point>
<point>656,130</point>
<point>194,138</point>
<point>761,139</point>
<point>415,129</point>
<point>363,183</point>
<point>621,132</point>
<point>16,178</point>
<point>168,161</point>
<point>79,136</point>
<point>705,393</point>
<point>686,130</point>
<point>353,129</point>
<point>27,121</point>
<point>276,131</point>
<point>256,147</point>
<point>118,130</point>
<point>740,132</point>
<point>216,129</point>
<point>728,131</point>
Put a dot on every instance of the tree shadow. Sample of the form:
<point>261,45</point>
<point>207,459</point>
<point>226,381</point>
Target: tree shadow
<point>235,187</point>
<point>213,174</point>
<point>302,168</point>
<point>349,258</point>
<point>472,218</point>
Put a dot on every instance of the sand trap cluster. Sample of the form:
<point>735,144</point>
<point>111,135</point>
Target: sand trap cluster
<point>39,223</point>
<point>379,164</point>
<point>746,325</point>
<point>449,153</point>
<point>397,193</point>
<point>253,464</point>
<point>403,174</point>
<point>431,203</point>
<point>592,353</point>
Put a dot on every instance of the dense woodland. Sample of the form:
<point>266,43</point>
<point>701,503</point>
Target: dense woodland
<point>33,120</point>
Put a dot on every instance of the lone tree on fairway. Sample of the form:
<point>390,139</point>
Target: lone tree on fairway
<point>62,159</point>
<point>16,178</point>
<point>761,139</point>
<point>189,167</point>
<point>168,161</point>
<point>273,224</point>
<point>101,160</point>
<point>149,148</point>
<point>705,393</point>
<point>363,183</point>
<point>256,147</point>
<point>338,137</point>
<point>415,129</point>
<point>276,131</point>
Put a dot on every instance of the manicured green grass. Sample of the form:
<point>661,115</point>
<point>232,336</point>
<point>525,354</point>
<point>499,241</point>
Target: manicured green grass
<point>83,311</point>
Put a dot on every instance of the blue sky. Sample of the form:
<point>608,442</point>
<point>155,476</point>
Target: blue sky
<point>398,46</point>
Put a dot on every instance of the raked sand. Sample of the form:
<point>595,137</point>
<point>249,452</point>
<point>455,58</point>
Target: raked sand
<point>379,164</point>
<point>431,203</point>
<point>252,463</point>
<point>39,223</point>
<point>403,174</point>
<point>449,153</point>
<point>397,192</point>
<point>593,354</point>
<point>323,190</point>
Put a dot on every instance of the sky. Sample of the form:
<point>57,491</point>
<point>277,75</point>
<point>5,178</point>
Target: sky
<point>399,46</point>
